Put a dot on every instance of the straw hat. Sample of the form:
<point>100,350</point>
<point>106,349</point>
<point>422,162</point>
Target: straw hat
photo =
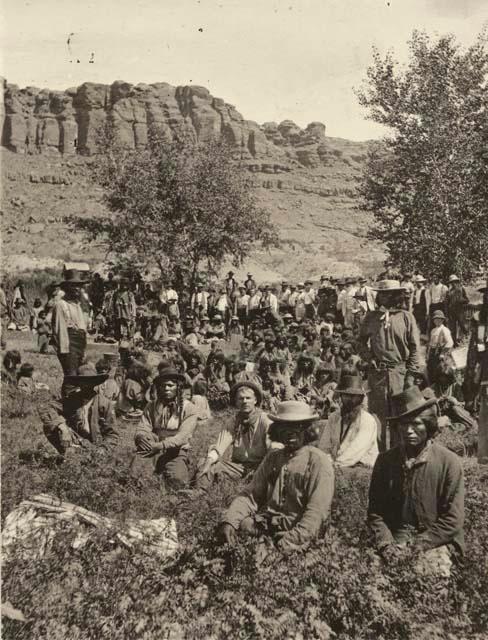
<point>293,411</point>
<point>388,285</point>
<point>453,278</point>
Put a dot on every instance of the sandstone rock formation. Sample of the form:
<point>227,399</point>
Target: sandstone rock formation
<point>41,121</point>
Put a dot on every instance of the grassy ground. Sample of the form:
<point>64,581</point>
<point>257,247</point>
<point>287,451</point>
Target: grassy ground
<point>337,588</point>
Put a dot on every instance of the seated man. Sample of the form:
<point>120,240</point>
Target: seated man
<point>248,437</point>
<point>86,415</point>
<point>418,487</point>
<point>167,427</point>
<point>351,434</point>
<point>290,495</point>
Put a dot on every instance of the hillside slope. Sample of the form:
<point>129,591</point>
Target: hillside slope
<point>304,178</point>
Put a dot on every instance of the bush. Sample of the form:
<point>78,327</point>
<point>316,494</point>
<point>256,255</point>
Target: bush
<point>338,588</point>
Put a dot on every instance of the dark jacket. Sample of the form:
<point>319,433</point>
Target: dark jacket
<point>438,496</point>
<point>101,418</point>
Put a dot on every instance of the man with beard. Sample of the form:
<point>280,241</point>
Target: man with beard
<point>290,495</point>
<point>350,435</point>
<point>389,342</point>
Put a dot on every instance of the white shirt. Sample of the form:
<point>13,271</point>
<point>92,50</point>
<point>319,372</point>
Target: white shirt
<point>438,293</point>
<point>441,337</point>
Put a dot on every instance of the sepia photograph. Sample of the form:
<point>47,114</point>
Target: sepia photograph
<point>244,319</point>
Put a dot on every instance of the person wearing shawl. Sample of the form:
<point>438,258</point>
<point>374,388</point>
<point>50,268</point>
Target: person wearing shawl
<point>350,435</point>
<point>416,495</point>
<point>389,342</point>
<point>166,429</point>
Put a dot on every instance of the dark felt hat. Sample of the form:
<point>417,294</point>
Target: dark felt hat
<point>409,403</point>
<point>169,373</point>
<point>352,385</point>
<point>246,384</point>
<point>87,376</point>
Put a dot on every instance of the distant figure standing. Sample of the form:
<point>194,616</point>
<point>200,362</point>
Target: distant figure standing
<point>69,324</point>
<point>457,301</point>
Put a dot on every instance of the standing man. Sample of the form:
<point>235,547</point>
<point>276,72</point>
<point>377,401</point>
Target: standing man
<point>328,298</point>
<point>284,295</point>
<point>69,325</point>
<point>199,301</point>
<point>409,287</point>
<point>250,283</point>
<point>309,300</point>
<point>230,284</point>
<point>456,300</point>
<point>390,343</point>
<point>124,311</point>
<point>241,308</point>
<point>367,294</point>
<point>421,303</point>
<point>253,304</point>
<point>341,294</point>
<point>438,294</point>
<point>481,340</point>
<point>292,299</point>
<point>348,302</point>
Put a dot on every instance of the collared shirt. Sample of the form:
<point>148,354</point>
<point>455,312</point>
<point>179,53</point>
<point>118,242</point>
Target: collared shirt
<point>441,338</point>
<point>351,442</point>
<point>438,293</point>
<point>163,421</point>
<point>66,315</point>
<point>254,301</point>
<point>293,492</point>
<point>248,436</point>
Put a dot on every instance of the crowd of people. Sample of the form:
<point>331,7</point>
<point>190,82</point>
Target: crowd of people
<point>322,376</point>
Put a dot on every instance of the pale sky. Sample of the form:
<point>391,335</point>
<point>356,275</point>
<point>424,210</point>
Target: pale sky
<point>272,59</point>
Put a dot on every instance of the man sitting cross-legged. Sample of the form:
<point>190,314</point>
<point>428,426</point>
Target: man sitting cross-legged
<point>290,495</point>
<point>247,438</point>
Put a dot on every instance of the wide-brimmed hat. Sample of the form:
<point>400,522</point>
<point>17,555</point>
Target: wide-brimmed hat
<point>246,384</point>
<point>420,278</point>
<point>86,376</point>
<point>73,276</point>
<point>217,316</point>
<point>169,373</point>
<point>408,403</point>
<point>287,316</point>
<point>340,282</point>
<point>308,282</point>
<point>453,278</point>
<point>388,285</point>
<point>352,385</point>
<point>111,358</point>
<point>438,315</point>
<point>293,411</point>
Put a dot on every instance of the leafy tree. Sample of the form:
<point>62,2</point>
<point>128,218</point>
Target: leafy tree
<point>427,182</point>
<point>180,206</point>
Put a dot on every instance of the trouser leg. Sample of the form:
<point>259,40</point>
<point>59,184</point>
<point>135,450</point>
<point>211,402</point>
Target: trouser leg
<point>172,465</point>
<point>221,470</point>
<point>483,426</point>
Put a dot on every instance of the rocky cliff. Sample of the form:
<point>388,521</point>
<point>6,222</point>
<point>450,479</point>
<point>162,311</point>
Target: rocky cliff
<point>306,180</point>
<point>42,121</point>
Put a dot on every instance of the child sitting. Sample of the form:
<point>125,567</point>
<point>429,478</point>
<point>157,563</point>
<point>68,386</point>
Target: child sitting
<point>110,389</point>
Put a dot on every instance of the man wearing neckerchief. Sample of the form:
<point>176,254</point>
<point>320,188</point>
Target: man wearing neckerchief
<point>390,343</point>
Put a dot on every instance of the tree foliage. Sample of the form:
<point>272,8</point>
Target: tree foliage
<point>427,182</point>
<point>178,205</point>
